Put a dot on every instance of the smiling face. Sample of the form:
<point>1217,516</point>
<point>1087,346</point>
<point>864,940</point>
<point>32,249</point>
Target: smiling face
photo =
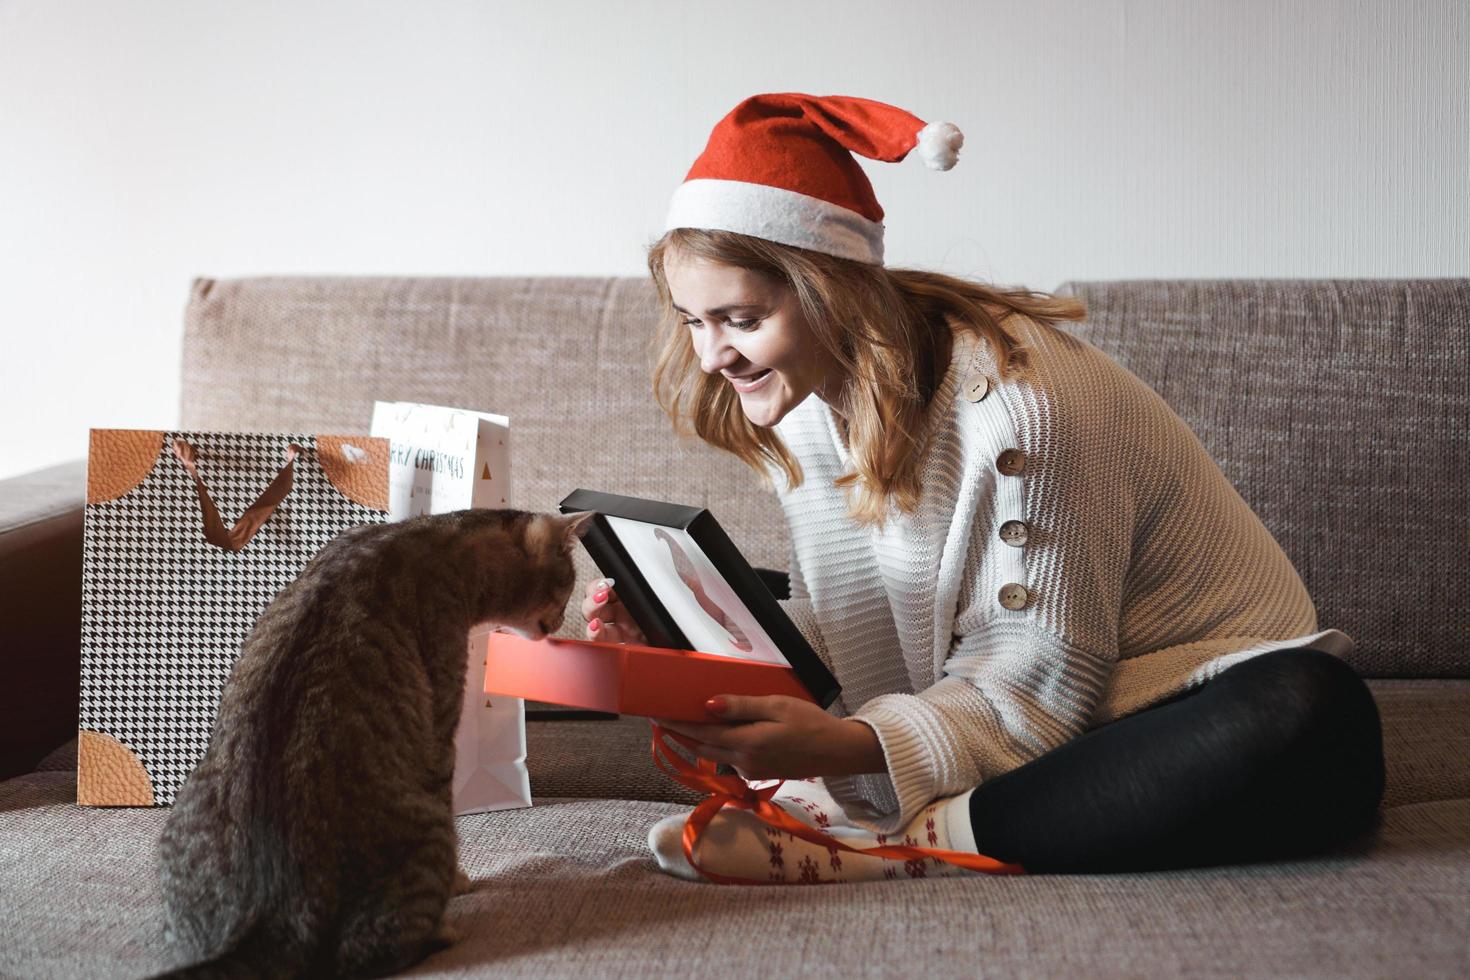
<point>750,329</point>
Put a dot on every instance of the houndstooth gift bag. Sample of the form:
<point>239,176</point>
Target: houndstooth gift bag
<point>169,591</point>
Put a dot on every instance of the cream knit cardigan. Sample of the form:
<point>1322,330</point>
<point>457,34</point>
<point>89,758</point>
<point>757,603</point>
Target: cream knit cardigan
<point>1146,574</point>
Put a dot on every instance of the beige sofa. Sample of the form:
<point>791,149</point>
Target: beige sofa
<point>1339,409</point>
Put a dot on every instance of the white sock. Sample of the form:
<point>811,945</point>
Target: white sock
<point>957,821</point>
<point>739,845</point>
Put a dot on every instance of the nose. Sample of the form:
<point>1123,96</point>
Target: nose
<point>716,354</point>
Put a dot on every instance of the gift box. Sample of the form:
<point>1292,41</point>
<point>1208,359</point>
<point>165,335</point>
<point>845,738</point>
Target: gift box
<point>627,678</point>
<point>688,587</point>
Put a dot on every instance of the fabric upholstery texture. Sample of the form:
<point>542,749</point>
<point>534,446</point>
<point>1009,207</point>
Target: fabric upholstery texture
<point>1426,738</point>
<point>1339,410</point>
<point>1336,408</point>
<point>568,888</point>
<point>569,360</point>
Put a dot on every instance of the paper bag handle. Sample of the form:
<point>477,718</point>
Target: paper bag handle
<point>237,537</point>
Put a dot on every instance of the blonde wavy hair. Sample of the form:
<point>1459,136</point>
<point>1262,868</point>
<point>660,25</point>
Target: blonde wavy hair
<point>892,331</point>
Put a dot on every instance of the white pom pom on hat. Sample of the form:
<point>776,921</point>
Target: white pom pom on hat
<point>774,168</point>
<point>939,145</point>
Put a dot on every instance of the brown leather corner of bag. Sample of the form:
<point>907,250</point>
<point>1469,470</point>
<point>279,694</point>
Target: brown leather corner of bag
<point>118,460</point>
<point>357,467</point>
<point>109,774</point>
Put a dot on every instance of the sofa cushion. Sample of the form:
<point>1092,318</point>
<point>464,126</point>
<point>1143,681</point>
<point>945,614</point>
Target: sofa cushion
<point>1426,745</point>
<point>1426,739</point>
<point>1338,409</point>
<point>567,888</point>
<point>599,759</point>
<point>591,759</point>
<point>1426,748</point>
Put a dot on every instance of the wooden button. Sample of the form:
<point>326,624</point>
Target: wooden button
<point>1014,533</point>
<point>1013,596</point>
<point>976,386</point>
<point>1012,462</point>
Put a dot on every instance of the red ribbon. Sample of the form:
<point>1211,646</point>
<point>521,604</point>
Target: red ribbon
<point>702,776</point>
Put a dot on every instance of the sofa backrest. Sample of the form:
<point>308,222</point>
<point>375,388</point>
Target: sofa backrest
<point>568,359</point>
<point>1338,409</point>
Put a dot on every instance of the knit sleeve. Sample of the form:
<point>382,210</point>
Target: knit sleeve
<point>1005,698</point>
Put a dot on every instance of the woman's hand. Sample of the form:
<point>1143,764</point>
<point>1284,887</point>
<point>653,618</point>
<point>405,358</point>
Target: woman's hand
<point>780,737</point>
<point>607,618</point>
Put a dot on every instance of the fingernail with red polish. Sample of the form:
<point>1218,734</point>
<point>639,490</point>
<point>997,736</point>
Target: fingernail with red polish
<point>599,597</point>
<point>715,706</point>
<point>595,625</point>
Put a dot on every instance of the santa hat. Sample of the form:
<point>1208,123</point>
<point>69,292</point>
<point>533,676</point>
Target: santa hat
<point>780,167</point>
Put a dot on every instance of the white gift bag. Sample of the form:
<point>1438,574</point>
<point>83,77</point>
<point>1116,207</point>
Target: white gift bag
<point>447,459</point>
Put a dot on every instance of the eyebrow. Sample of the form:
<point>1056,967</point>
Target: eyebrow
<point>721,310</point>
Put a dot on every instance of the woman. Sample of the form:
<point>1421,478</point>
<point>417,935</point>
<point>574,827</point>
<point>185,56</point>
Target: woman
<point>1064,640</point>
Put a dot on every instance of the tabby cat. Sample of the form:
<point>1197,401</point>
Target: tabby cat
<point>316,836</point>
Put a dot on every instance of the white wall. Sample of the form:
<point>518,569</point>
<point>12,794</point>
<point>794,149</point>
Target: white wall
<point>147,142</point>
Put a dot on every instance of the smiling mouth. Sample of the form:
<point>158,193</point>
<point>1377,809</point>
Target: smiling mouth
<point>750,380</point>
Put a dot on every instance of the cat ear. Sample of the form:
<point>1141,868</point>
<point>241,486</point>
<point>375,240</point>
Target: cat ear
<point>575,526</point>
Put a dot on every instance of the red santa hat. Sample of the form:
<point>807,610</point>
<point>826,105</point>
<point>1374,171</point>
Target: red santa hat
<point>780,167</point>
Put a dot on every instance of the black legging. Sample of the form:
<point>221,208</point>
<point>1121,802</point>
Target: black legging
<point>1280,755</point>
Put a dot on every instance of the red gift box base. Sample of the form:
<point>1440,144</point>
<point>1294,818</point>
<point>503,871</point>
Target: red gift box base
<point>626,678</point>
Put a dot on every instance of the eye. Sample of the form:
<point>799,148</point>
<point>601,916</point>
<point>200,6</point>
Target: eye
<point>737,324</point>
